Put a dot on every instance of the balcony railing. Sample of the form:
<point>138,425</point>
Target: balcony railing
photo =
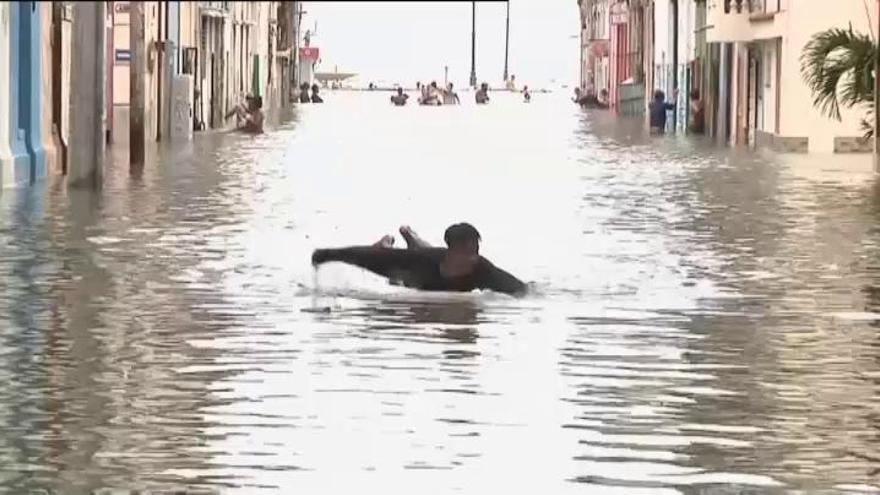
<point>752,6</point>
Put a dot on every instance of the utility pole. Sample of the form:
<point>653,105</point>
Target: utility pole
<point>473,44</point>
<point>506,39</point>
<point>137,65</point>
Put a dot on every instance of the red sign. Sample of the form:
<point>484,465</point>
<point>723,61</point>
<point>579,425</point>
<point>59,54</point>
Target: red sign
<point>308,53</point>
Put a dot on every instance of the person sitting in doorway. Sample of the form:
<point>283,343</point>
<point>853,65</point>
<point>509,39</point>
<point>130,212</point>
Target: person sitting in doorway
<point>458,267</point>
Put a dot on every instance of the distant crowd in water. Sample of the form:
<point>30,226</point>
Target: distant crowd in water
<point>433,95</point>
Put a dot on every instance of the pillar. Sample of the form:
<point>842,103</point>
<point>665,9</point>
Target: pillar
<point>138,67</point>
<point>30,88</point>
<point>87,86</point>
<point>7,159</point>
<point>53,164</point>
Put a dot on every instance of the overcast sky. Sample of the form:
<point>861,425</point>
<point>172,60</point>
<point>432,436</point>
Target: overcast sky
<point>404,42</point>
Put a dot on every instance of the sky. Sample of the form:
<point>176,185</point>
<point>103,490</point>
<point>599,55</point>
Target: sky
<point>405,42</point>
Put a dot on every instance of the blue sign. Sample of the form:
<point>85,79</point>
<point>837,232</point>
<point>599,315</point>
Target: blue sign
<point>123,55</point>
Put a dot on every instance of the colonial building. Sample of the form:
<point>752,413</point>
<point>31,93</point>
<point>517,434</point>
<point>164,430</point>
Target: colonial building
<point>760,43</point>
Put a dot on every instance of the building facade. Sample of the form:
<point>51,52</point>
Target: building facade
<point>741,57</point>
<point>63,62</point>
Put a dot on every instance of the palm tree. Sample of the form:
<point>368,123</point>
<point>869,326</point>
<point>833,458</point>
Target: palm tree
<point>838,67</point>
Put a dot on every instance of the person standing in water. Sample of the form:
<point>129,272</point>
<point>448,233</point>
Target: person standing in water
<point>304,93</point>
<point>527,97</point>
<point>697,125</point>
<point>458,267</point>
<point>400,98</point>
<point>657,111</point>
<point>316,98</point>
<point>450,97</point>
<point>482,94</point>
<point>249,116</point>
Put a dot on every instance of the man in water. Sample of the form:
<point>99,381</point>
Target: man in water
<point>316,98</point>
<point>482,94</point>
<point>458,267</point>
<point>431,95</point>
<point>400,98</point>
<point>249,116</point>
<point>527,97</point>
<point>450,97</point>
<point>697,124</point>
<point>657,110</point>
<point>304,93</point>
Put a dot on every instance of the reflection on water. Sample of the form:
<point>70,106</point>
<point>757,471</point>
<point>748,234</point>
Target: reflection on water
<point>706,321</point>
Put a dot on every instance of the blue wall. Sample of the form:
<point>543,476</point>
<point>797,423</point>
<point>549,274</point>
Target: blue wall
<point>21,159</point>
<point>31,87</point>
<point>26,93</point>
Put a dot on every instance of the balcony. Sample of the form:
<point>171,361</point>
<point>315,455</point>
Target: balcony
<point>730,21</point>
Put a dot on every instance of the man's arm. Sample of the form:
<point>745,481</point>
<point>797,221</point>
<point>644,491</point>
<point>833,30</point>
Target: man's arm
<point>498,280</point>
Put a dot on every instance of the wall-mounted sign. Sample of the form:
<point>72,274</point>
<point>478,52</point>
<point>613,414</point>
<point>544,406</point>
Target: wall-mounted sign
<point>123,55</point>
<point>308,53</point>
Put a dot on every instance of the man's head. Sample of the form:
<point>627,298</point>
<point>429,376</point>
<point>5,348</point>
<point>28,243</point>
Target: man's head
<point>399,91</point>
<point>315,88</point>
<point>484,86</point>
<point>462,237</point>
<point>449,86</point>
<point>659,95</point>
<point>434,84</point>
<point>695,95</point>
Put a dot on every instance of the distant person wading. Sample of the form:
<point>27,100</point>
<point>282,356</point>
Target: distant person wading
<point>400,98</point>
<point>482,94</point>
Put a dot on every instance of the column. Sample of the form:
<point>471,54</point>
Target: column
<point>7,159</point>
<point>53,164</point>
<point>30,87</point>
<point>87,83</point>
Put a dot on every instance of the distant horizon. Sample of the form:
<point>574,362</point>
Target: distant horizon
<point>404,42</point>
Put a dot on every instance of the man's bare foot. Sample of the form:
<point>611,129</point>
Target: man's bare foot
<point>413,241</point>
<point>386,242</point>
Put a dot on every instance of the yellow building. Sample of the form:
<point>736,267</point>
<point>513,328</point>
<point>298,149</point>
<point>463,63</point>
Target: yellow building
<point>769,103</point>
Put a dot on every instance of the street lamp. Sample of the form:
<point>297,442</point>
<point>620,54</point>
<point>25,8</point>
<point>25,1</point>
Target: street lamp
<point>473,44</point>
<point>506,39</point>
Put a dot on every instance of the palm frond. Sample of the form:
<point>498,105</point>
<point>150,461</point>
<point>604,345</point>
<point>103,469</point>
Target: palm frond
<point>838,67</point>
<point>867,123</point>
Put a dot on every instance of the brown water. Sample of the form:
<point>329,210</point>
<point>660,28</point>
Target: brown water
<point>704,321</point>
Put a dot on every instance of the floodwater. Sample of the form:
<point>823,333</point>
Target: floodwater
<point>702,321</point>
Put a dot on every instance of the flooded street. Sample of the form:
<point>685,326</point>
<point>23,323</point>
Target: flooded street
<point>702,318</point>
